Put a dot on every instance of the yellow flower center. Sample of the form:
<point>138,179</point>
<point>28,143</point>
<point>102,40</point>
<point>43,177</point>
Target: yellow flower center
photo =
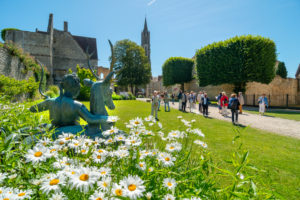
<point>99,157</point>
<point>104,184</point>
<point>100,151</point>
<point>67,138</point>
<point>132,187</point>
<point>150,170</point>
<point>132,141</point>
<point>52,150</point>
<point>103,172</point>
<point>110,140</point>
<point>61,142</point>
<point>6,199</point>
<point>76,144</point>
<point>170,184</point>
<point>111,131</point>
<point>118,192</point>
<point>21,194</point>
<point>73,173</point>
<point>172,147</point>
<point>141,165</point>
<point>38,154</point>
<point>137,122</point>
<point>167,159</point>
<point>99,198</point>
<point>54,181</point>
<point>84,177</point>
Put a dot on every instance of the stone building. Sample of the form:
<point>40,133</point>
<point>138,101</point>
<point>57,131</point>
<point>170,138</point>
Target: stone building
<point>145,40</point>
<point>58,50</point>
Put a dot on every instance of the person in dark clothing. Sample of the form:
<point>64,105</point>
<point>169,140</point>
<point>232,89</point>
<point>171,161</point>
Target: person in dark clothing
<point>184,101</point>
<point>180,100</point>
<point>205,102</point>
<point>234,107</point>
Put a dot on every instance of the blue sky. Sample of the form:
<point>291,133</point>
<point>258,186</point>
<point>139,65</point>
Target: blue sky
<point>178,27</point>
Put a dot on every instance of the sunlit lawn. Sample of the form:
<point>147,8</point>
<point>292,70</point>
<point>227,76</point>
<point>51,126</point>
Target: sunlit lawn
<point>285,114</point>
<point>279,156</point>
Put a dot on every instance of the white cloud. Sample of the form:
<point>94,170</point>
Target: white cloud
<point>151,2</point>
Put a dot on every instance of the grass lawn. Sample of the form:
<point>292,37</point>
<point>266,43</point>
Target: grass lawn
<point>279,156</point>
<point>285,114</point>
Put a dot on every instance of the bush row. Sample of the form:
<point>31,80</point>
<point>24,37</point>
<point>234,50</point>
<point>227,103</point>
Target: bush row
<point>123,97</point>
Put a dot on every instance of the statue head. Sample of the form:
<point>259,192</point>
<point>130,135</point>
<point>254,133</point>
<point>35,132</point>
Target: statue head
<point>70,85</point>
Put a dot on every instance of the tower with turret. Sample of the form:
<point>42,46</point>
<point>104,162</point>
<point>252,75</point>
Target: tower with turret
<point>146,40</point>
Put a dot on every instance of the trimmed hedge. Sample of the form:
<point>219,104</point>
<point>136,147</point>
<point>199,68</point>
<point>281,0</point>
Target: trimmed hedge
<point>238,60</point>
<point>177,70</point>
<point>3,32</point>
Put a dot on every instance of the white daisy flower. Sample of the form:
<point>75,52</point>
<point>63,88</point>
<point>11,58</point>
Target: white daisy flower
<point>98,196</point>
<point>104,184</point>
<point>175,146</point>
<point>109,141</point>
<point>2,177</point>
<point>23,194</point>
<point>150,169</point>
<point>141,166</point>
<point>159,125</point>
<point>151,124</point>
<point>64,162</point>
<point>149,118</point>
<point>51,182</point>
<point>198,132</point>
<point>169,197</point>
<point>112,119</point>
<point>133,141</point>
<point>98,158</point>
<point>166,159</point>
<point>137,122</point>
<point>120,137</point>
<point>170,183</point>
<point>58,196</point>
<point>122,153</point>
<point>179,117</point>
<point>133,186</point>
<point>117,190</point>
<point>83,179</point>
<point>37,154</point>
<point>111,131</point>
<point>44,142</point>
<point>148,195</point>
<point>104,171</point>
<point>75,144</point>
<point>203,144</point>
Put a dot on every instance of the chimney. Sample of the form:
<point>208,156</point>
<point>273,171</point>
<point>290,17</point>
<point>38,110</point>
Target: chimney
<point>50,23</point>
<point>65,26</point>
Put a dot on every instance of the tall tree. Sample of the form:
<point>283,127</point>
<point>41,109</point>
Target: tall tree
<point>177,70</point>
<point>237,61</point>
<point>132,65</point>
<point>281,70</point>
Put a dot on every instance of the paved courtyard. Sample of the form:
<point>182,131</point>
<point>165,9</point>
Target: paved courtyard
<point>273,124</point>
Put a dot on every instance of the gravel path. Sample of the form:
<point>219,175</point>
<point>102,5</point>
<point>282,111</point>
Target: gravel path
<point>272,124</point>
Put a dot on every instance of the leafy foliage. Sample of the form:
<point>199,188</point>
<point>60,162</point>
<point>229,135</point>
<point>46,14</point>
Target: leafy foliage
<point>237,61</point>
<point>132,65</point>
<point>53,91</point>
<point>83,73</point>
<point>281,70</point>
<point>13,89</point>
<point>177,70</point>
<point>3,32</point>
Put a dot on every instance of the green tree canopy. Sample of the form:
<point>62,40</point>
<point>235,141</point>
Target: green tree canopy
<point>281,70</point>
<point>237,61</point>
<point>132,65</point>
<point>177,70</point>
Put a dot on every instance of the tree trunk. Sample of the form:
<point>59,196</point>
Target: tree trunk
<point>182,87</point>
<point>239,87</point>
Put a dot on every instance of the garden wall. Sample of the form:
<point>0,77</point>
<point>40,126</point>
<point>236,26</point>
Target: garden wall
<point>11,66</point>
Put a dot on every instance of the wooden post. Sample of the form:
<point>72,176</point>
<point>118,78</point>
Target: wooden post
<point>269,99</point>
<point>253,99</point>
<point>287,100</point>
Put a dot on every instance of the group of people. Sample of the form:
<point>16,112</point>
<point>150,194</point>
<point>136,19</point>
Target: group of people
<point>192,99</point>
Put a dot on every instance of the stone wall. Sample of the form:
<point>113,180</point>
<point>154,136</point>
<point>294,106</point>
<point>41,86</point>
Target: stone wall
<point>11,66</point>
<point>102,72</point>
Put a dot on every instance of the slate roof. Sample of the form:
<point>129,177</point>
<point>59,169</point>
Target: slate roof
<point>85,42</point>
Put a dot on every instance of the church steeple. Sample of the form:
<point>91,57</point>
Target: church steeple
<point>146,40</point>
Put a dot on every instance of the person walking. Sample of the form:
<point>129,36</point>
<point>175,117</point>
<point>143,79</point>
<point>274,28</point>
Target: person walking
<point>263,104</point>
<point>166,102</point>
<point>224,104</point>
<point>160,97</point>
<point>234,107</point>
<point>199,99</point>
<point>154,105</point>
<point>241,100</point>
<point>180,100</point>
<point>173,98</point>
<point>205,102</point>
<point>184,100</point>
<point>190,98</point>
<point>219,102</point>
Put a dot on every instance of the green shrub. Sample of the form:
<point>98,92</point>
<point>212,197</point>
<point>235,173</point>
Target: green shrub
<point>14,89</point>
<point>54,89</point>
<point>116,97</point>
<point>281,70</point>
<point>3,32</point>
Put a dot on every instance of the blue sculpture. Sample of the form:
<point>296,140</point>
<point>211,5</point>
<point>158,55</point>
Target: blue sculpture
<point>65,112</point>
